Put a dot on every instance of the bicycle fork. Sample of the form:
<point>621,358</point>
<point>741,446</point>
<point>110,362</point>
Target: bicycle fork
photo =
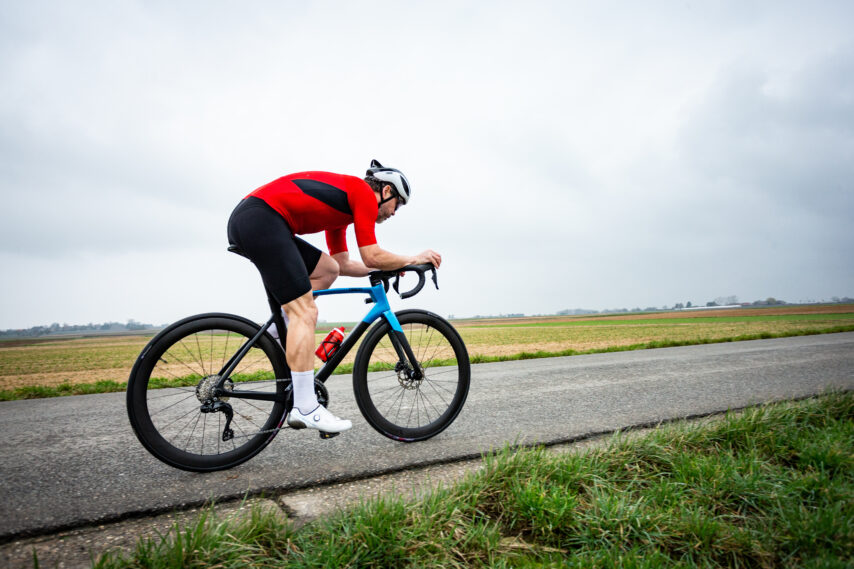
<point>406,362</point>
<point>406,358</point>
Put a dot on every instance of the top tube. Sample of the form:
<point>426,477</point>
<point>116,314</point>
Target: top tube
<point>378,296</point>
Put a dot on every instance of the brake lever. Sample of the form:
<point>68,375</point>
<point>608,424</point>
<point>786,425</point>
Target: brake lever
<point>435,278</point>
<point>396,284</point>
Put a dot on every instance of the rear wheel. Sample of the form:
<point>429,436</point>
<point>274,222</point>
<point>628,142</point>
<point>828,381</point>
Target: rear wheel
<point>398,405</point>
<point>172,406</point>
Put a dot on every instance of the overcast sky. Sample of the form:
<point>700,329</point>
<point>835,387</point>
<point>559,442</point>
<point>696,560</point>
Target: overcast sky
<point>562,154</point>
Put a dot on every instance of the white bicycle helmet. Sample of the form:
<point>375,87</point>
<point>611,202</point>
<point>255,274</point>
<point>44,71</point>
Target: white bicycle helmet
<point>394,177</point>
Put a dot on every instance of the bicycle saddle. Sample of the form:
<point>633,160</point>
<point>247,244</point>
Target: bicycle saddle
<point>232,248</point>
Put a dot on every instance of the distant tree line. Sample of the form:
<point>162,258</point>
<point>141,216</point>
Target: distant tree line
<point>720,301</point>
<point>57,328</point>
<point>513,315</point>
<point>770,301</point>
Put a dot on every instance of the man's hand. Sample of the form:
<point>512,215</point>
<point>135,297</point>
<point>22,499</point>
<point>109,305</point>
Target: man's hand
<point>429,256</point>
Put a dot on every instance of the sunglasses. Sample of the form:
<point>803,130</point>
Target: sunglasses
<point>394,195</point>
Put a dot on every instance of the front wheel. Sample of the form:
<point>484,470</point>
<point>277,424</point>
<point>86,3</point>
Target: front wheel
<point>392,401</point>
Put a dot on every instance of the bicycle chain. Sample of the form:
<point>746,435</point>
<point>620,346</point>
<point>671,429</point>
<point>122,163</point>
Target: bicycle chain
<point>268,431</point>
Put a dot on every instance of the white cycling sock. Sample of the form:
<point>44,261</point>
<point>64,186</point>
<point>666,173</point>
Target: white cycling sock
<point>273,330</point>
<point>305,399</point>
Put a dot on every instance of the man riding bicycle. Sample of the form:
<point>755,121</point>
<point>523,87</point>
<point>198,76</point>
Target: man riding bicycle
<point>265,224</point>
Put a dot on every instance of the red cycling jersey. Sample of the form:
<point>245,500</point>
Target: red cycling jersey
<point>322,201</point>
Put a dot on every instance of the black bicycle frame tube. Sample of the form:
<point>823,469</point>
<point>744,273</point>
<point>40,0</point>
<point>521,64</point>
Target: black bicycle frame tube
<point>347,345</point>
<point>244,349</point>
<point>232,363</point>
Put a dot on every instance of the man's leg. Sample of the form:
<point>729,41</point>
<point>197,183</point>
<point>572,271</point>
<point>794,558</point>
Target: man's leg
<point>322,277</point>
<point>283,261</point>
<point>302,319</point>
<point>307,412</point>
<point>325,273</point>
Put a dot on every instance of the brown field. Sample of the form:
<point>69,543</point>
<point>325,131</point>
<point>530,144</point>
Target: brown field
<point>690,313</point>
<point>51,362</point>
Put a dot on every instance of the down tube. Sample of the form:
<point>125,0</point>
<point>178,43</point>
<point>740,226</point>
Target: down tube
<point>347,345</point>
<point>381,309</point>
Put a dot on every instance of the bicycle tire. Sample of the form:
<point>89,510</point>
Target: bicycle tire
<point>186,357</point>
<point>410,410</point>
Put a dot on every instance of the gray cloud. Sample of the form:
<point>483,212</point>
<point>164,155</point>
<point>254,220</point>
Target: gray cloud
<point>784,150</point>
<point>602,155</point>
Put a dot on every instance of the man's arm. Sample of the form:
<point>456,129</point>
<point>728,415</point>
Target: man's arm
<point>348,267</point>
<point>373,256</point>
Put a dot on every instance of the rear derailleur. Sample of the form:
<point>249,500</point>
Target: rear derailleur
<point>221,407</point>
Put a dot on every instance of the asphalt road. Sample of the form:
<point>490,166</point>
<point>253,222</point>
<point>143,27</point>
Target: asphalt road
<point>73,461</point>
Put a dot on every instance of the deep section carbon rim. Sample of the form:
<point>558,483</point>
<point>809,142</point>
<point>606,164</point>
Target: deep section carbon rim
<point>405,408</point>
<point>172,402</point>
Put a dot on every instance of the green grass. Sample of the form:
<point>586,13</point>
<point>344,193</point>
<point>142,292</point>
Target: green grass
<point>40,392</point>
<point>770,487</point>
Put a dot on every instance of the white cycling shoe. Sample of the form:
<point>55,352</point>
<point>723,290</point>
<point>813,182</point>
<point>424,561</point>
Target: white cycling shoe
<point>320,419</point>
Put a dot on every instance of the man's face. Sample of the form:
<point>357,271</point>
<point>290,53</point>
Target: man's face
<point>389,208</point>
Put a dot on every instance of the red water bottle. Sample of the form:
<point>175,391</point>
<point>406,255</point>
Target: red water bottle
<point>330,344</point>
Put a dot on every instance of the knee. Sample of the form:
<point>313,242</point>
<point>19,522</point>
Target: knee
<point>311,314</point>
<point>303,310</point>
<point>329,279</point>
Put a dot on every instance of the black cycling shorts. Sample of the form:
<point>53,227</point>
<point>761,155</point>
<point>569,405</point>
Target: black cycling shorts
<point>284,260</point>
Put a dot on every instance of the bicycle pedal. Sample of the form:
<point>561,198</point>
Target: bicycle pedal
<point>324,435</point>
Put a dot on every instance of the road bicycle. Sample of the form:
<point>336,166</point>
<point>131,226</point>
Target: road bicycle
<point>212,390</point>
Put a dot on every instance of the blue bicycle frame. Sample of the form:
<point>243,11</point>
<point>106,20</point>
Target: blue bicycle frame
<point>382,309</point>
<point>377,296</point>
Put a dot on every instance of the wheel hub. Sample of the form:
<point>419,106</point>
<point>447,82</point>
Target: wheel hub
<point>205,390</point>
<point>406,378</point>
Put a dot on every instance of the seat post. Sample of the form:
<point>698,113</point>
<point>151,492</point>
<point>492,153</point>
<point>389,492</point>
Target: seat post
<point>276,309</point>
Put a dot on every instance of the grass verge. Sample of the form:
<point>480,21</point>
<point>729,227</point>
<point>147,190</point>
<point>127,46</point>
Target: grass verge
<point>770,487</point>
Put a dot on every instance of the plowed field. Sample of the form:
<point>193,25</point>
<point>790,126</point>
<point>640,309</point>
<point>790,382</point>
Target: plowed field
<point>49,362</point>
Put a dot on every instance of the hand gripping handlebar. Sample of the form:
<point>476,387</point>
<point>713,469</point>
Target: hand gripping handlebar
<point>385,276</point>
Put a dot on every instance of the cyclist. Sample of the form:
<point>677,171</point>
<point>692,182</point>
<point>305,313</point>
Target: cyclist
<point>265,225</point>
